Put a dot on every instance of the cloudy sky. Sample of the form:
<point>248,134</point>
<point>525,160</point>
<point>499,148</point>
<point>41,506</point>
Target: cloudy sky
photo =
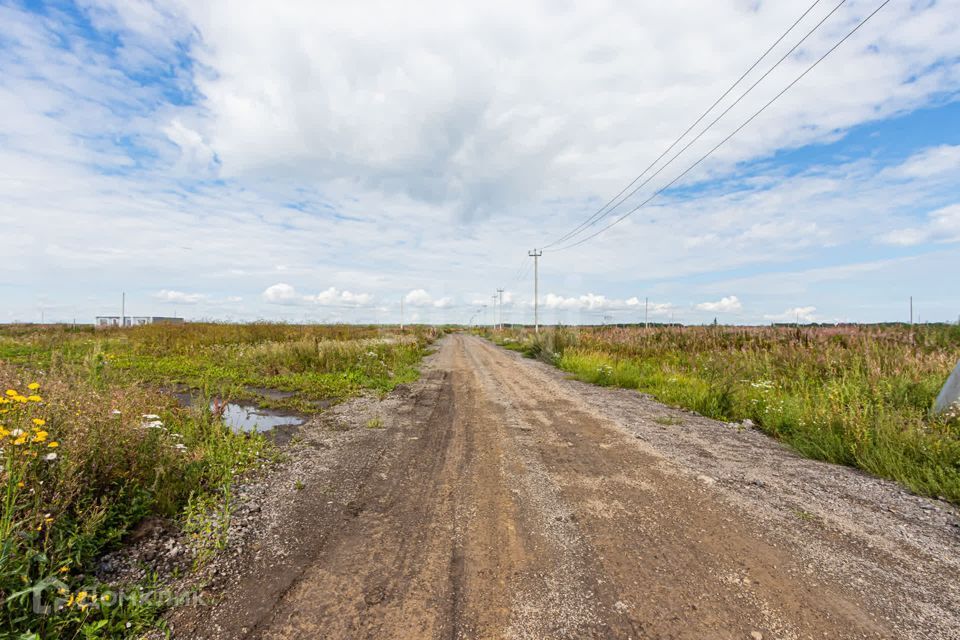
<point>314,161</point>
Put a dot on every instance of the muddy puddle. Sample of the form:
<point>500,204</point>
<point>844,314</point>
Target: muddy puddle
<point>245,416</point>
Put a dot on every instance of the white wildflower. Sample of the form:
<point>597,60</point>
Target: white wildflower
<point>50,457</point>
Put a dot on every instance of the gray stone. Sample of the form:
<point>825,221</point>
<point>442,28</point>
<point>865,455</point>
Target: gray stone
<point>950,394</point>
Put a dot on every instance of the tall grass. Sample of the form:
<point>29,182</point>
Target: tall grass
<point>859,396</point>
<point>90,445</point>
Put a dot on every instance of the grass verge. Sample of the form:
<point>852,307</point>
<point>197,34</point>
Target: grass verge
<point>858,396</point>
<point>91,445</point>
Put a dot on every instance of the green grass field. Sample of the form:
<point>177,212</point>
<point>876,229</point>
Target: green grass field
<point>858,396</point>
<point>93,441</point>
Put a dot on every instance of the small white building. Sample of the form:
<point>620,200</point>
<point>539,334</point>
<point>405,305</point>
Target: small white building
<point>134,321</point>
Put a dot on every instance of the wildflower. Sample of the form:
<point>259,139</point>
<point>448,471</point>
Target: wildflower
<point>12,392</point>
<point>39,422</point>
<point>16,432</point>
<point>115,412</point>
<point>151,416</point>
<point>34,398</point>
<point>33,386</point>
<point>50,457</point>
<point>20,440</point>
<point>154,424</point>
<point>3,433</point>
<point>64,569</point>
<point>53,445</point>
<point>40,436</point>
<point>180,446</point>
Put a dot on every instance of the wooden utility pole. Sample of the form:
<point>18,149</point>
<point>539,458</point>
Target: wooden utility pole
<point>535,254</point>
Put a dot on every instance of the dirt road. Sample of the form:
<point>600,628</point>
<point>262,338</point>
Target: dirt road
<point>501,500</point>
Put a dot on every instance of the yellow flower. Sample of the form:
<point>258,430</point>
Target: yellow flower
<point>40,436</point>
<point>71,600</point>
<point>64,569</point>
<point>3,433</point>
<point>34,398</point>
<point>39,422</point>
<point>19,441</point>
<point>33,386</point>
<point>12,392</point>
<point>54,444</point>
<point>20,484</point>
<point>81,596</point>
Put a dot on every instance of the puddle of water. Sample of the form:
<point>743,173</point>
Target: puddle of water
<point>244,417</point>
<point>240,417</point>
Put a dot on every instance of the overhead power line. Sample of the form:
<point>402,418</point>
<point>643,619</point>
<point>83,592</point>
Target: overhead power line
<point>735,132</point>
<point>600,212</point>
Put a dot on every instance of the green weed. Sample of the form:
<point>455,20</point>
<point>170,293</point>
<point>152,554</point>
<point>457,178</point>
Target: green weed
<point>859,396</point>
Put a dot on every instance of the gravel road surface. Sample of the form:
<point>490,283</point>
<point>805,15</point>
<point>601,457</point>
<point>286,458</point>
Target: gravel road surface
<point>499,499</point>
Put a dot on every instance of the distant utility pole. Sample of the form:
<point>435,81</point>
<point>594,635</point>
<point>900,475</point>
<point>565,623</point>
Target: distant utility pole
<point>500,319</point>
<point>535,254</point>
<point>493,312</point>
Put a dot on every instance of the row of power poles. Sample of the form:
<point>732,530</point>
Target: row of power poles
<point>497,320</point>
<point>497,316</point>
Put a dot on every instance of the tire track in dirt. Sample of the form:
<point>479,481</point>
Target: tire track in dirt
<point>673,562</point>
<point>501,504</point>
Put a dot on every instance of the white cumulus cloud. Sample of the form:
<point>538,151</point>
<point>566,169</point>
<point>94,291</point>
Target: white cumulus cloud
<point>179,297</point>
<point>422,298</point>
<point>803,314</point>
<point>283,293</point>
<point>942,225</point>
<point>728,304</point>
